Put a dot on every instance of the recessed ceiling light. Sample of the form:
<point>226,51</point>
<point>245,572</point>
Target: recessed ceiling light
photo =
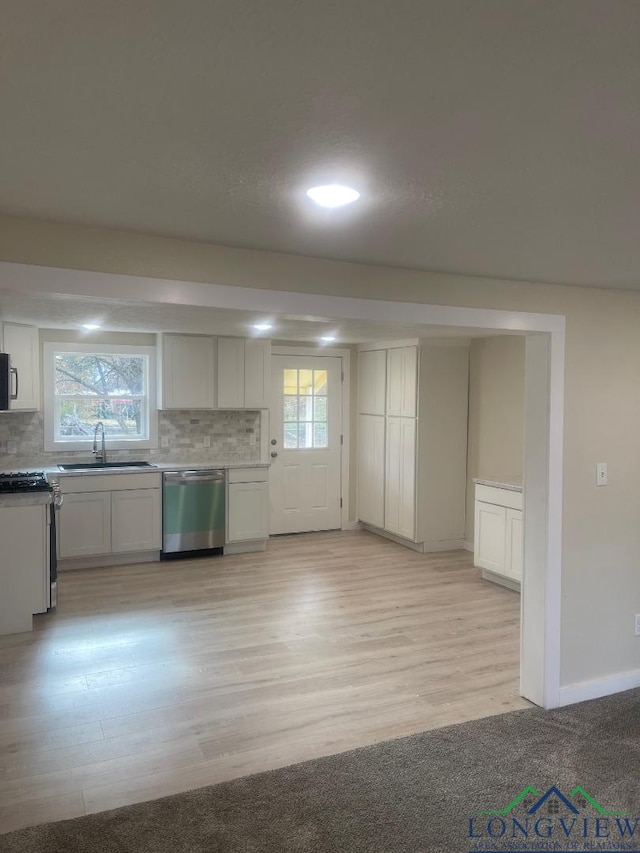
<point>91,326</point>
<point>328,338</point>
<point>333,195</point>
<point>262,327</point>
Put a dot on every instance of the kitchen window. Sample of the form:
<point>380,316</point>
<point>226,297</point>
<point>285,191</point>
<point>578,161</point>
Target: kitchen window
<point>87,384</point>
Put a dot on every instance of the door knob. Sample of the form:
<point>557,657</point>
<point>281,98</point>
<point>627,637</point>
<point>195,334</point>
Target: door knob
<point>274,441</point>
<point>273,454</point>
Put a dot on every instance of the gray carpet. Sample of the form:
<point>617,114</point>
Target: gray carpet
<point>404,796</point>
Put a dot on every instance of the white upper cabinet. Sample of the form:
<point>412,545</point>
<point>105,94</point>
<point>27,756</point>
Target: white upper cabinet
<point>187,372</point>
<point>230,373</point>
<point>22,344</point>
<point>257,373</point>
<point>372,382</point>
<point>244,373</point>
<point>402,375</point>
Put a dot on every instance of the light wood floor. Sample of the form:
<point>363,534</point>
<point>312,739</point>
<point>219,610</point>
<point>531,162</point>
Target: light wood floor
<point>158,678</point>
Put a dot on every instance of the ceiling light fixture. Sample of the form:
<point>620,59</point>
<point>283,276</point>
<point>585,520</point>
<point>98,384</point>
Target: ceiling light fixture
<point>262,327</point>
<point>91,327</point>
<point>328,338</point>
<point>333,195</point>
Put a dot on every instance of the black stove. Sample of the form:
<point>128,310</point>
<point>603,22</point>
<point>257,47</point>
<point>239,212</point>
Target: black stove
<point>23,481</point>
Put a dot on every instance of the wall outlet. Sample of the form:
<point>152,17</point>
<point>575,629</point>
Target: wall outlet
<point>12,447</point>
<point>206,441</point>
<point>602,474</point>
<point>637,625</point>
<point>164,441</point>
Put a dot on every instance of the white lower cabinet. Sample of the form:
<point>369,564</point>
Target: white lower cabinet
<point>135,520</point>
<point>498,535</point>
<point>85,525</point>
<point>247,509</point>
<point>24,567</point>
<point>109,514</point>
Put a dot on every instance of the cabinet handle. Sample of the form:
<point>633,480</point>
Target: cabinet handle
<point>14,372</point>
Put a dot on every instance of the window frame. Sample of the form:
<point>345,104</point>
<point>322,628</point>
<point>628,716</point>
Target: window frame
<point>51,444</point>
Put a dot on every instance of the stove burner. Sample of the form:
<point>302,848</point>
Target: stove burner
<point>23,481</point>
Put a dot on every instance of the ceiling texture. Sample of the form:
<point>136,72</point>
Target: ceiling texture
<point>487,137</point>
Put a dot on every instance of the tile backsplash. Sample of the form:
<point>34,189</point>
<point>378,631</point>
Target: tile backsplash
<point>234,436</point>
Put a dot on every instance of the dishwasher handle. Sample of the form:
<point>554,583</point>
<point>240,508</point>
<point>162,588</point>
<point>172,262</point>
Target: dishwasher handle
<point>179,477</point>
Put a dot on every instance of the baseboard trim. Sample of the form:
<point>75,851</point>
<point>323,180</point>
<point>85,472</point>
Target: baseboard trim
<point>468,546</point>
<point>442,545</point>
<point>583,690</point>
<point>353,525</point>
<point>249,547</point>
<point>72,563</point>
<point>414,546</point>
<point>507,583</point>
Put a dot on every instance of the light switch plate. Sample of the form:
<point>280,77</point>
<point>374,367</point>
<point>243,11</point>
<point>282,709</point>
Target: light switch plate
<point>602,474</point>
<point>637,625</point>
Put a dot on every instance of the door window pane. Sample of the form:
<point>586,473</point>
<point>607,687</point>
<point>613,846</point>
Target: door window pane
<point>320,409</point>
<point>320,381</point>
<point>319,435</point>
<point>305,409</point>
<point>291,382</point>
<point>290,436</point>
<point>290,408</point>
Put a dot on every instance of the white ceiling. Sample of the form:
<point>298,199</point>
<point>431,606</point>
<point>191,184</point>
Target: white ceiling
<point>70,312</point>
<point>487,137</point>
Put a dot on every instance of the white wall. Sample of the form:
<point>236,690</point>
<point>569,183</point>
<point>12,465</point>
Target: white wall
<point>496,413</point>
<point>601,533</point>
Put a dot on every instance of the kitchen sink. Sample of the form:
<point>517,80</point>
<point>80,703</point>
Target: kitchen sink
<point>95,466</point>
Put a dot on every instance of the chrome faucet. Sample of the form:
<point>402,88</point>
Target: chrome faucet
<point>102,456</point>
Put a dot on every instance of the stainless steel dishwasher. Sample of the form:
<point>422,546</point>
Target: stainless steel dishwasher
<point>193,512</point>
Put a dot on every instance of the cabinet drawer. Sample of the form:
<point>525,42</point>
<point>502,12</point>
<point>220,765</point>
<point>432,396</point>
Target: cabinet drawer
<point>499,497</point>
<point>108,482</point>
<point>248,475</point>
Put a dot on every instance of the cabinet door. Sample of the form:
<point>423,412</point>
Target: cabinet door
<point>231,373</point>
<point>22,344</point>
<point>402,375</point>
<point>248,516</point>
<point>514,544</point>
<point>85,524</point>
<point>371,464</point>
<point>188,380</point>
<point>490,537</point>
<point>135,521</point>
<point>25,568</point>
<point>372,382</point>
<point>399,498</point>
<point>407,510</point>
<point>257,373</point>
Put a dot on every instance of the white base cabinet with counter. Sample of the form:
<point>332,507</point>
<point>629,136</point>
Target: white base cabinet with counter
<point>498,534</point>
<point>247,510</point>
<point>106,516</point>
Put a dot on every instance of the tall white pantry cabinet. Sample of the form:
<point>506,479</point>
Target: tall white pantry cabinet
<point>412,441</point>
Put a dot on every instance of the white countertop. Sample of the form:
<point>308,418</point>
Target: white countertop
<point>157,467</point>
<point>513,484</point>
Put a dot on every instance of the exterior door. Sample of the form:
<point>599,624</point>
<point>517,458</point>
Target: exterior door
<point>305,445</point>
